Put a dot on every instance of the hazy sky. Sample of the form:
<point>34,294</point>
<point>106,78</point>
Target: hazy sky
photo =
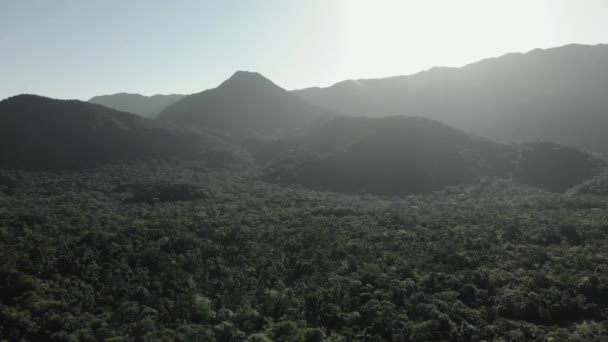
<point>82,48</point>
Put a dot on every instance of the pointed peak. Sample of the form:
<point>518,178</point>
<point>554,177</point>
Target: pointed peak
<point>246,74</point>
<point>249,79</point>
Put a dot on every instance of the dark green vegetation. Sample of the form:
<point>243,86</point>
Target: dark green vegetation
<point>160,192</point>
<point>248,260</point>
<point>42,133</point>
<point>555,167</point>
<point>555,95</point>
<point>400,155</point>
<point>246,104</point>
<point>146,106</point>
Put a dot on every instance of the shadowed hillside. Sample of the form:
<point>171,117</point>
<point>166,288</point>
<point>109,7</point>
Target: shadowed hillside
<point>39,132</point>
<point>404,155</point>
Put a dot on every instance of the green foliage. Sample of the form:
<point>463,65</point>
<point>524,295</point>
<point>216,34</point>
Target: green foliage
<point>253,261</point>
<point>161,192</point>
<point>597,186</point>
<point>555,167</point>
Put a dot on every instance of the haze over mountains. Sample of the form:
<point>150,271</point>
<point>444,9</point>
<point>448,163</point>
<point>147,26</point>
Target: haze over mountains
<point>554,95</point>
<point>146,106</point>
<point>557,94</point>
<point>313,138</point>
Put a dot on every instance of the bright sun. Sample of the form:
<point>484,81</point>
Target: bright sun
<point>382,36</point>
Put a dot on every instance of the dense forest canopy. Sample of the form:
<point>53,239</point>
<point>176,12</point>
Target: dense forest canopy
<point>86,256</point>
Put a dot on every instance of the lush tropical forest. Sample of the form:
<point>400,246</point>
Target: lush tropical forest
<point>176,251</point>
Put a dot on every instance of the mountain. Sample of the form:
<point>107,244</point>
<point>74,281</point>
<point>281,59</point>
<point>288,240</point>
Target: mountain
<point>408,155</point>
<point>245,104</point>
<point>43,133</point>
<point>555,167</point>
<point>146,106</point>
<point>556,94</point>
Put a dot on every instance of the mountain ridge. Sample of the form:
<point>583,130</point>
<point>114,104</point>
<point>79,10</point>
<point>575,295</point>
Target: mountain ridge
<point>545,94</point>
<point>404,155</point>
<point>443,67</point>
<point>146,106</point>
<point>44,133</point>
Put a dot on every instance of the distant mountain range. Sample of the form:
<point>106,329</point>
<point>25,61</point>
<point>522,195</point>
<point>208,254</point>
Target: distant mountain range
<point>461,126</point>
<point>146,106</point>
<point>558,95</point>
<point>392,156</point>
<point>43,133</point>
<point>247,104</point>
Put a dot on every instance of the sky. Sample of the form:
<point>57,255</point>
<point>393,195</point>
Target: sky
<point>77,49</point>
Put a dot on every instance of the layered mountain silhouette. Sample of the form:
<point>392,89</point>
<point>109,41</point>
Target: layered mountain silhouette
<point>393,155</point>
<point>43,133</point>
<point>246,104</point>
<point>557,95</point>
<point>469,120</point>
<point>146,106</point>
<point>405,155</point>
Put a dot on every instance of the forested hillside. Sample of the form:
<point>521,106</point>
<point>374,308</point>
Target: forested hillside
<point>400,155</point>
<point>48,134</point>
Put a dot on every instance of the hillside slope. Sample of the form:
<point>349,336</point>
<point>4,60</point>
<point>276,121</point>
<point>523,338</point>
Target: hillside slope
<point>407,155</point>
<point>44,133</point>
